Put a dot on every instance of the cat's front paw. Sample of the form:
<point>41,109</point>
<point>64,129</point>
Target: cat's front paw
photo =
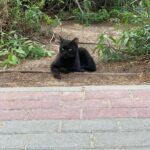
<point>57,76</point>
<point>64,70</point>
<point>82,70</point>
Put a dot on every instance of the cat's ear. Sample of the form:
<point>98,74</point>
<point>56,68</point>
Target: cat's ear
<point>76,40</point>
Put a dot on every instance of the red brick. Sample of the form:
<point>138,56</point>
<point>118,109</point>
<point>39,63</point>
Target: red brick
<point>141,94</point>
<point>67,105</point>
<point>40,114</point>
<point>29,95</point>
<point>23,104</point>
<point>143,112</point>
<point>13,115</point>
<point>141,104</point>
<point>109,113</point>
<point>5,105</point>
<point>72,96</point>
<point>107,94</point>
<point>123,103</point>
<point>54,114</point>
<point>86,104</point>
<point>96,104</point>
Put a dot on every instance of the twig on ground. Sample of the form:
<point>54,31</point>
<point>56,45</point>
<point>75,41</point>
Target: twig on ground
<point>77,73</point>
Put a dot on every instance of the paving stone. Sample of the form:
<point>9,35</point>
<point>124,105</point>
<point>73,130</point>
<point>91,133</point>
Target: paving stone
<point>135,124</point>
<point>43,89</point>
<point>141,93</point>
<point>122,131</point>
<point>72,96</point>
<point>13,142</point>
<point>117,87</point>
<point>86,103</point>
<point>89,125</point>
<point>26,104</point>
<point>145,148</point>
<point>99,149</point>
<point>109,113</point>
<point>45,141</point>
<point>143,112</point>
<point>50,141</point>
<point>141,103</point>
<point>27,127</point>
<point>137,148</point>
<point>13,115</point>
<point>29,95</point>
<point>122,139</point>
<point>47,114</point>
<point>31,104</point>
<point>109,94</point>
<point>122,103</point>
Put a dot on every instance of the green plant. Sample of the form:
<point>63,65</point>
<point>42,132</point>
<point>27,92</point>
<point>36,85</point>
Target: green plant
<point>91,17</point>
<point>110,48</point>
<point>27,16</point>
<point>33,16</point>
<point>51,21</point>
<point>132,12</point>
<point>134,42</point>
<point>13,48</point>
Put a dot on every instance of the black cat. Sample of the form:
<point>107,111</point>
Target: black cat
<point>72,59</point>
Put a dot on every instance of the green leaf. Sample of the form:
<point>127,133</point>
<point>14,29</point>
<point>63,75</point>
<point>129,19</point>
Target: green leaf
<point>20,51</point>
<point>3,53</point>
<point>15,60</point>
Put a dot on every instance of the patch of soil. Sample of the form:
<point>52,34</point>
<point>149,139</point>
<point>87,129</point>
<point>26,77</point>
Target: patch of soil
<point>107,73</point>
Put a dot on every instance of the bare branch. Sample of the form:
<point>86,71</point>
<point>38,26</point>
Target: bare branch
<point>77,2</point>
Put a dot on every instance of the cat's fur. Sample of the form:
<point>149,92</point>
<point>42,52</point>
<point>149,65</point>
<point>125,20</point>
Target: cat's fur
<point>72,58</point>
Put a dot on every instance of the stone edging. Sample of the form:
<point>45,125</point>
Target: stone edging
<point>75,88</point>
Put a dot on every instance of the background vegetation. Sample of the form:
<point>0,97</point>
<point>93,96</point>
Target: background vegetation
<point>21,20</point>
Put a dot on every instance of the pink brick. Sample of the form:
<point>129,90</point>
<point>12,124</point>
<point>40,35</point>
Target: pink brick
<point>107,94</point>
<point>54,114</point>
<point>141,94</point>
<point>123,103</point>
<point>141,104</point>
<point>86,104</point>
<point>13,115</point>
<point>5,105</point>
<point>72,104</point>
<point>67,105</point>
<point>96,104</point>
<point>45,104</point>
<point>109,113</point>
<point>23,104</point>
<point>72,96</point>
<point>143,112</point>
<point>29,95</point>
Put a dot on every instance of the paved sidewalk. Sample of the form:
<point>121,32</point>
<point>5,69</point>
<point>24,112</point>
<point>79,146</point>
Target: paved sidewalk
<point>75,118</point>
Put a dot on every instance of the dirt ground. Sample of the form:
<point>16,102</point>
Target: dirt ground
<point>131,72</point>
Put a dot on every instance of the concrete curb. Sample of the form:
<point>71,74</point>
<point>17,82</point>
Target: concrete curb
<point>75,88</point>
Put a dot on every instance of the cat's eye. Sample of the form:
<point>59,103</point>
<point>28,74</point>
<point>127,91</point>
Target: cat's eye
<point>70,50</point>
<point>62,49</point>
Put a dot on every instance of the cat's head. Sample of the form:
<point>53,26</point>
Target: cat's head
<point>68,48</point>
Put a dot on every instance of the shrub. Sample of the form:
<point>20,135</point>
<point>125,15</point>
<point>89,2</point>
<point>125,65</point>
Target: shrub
<point>91,17</point>
<point>13,48</point>
<point>133,42</point>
